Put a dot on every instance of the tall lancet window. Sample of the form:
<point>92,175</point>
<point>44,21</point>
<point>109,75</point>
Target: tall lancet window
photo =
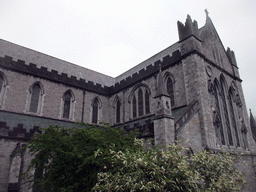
<point>225,112</point>
<point>217,119</point>
<point>134,107</point>
<point>170,90</point>
<point>95,110</point>
<point>67,104</point>
<point>140,99</point>
<point>35,101</point>
<point>118,107</point>
<point>233,118</point>
<point>147,104</point>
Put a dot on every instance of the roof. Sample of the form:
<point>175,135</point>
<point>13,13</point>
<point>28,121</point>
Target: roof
<point>52,63</point>
<point>18,52</point>
<point>159,56</point>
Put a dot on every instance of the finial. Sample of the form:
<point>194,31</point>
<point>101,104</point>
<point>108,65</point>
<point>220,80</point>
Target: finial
<point>206,12</point>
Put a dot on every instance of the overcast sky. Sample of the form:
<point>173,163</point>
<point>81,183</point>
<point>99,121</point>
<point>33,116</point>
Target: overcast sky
<point>112,36</point>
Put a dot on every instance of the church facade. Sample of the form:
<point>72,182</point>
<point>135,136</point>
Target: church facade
<point>189,91</point>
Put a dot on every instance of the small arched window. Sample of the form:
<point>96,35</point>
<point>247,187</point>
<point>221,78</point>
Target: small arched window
<point>140,99</point>
<point>35,100</point>
<point>170,90</point>
<point>147,102</point>
<point>118,106</point>
<point>134,107</point>
<point>95,109</point>
<point>67,99</point>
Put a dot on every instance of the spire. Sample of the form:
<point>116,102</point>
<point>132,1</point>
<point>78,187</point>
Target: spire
<point>161,89</point>
<point>253,125</point>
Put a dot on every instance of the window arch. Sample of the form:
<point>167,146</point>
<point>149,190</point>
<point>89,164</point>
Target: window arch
<point>3,83</point>
<point>96,110</point>
<point>35,100</point>
<point>117,109</point>
<point>169,80</point>
<point>68,104</point>
<point>225,117</point>
<point>139,100</point>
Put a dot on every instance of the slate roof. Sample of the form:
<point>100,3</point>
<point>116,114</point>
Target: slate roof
<point>52,63</point>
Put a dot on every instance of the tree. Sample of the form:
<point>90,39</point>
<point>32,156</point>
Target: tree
<point>63,159</point>
<point>155,169</point>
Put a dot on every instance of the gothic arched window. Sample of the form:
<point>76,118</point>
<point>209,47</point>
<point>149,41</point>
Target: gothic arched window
<point>140,102</point>
<point>118,107</point>
<point>218,120</point>
<point>225,112</point>
<point>170,90</point>
<point>67,99</point>
<point>67,105</point>
<point>134,107</point>
<point>95,110</point>
<point>35,98</point>
<point>147,102</point>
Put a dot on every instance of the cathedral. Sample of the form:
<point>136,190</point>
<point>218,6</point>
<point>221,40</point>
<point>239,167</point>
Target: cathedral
<point>189,91</point>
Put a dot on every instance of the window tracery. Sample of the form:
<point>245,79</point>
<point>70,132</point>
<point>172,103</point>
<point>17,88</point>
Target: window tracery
<point>225,114</point>
<point>139,99</point>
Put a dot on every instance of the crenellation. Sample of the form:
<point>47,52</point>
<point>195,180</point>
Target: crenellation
<point>189,29</point>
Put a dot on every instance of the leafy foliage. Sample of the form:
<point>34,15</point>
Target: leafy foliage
<point>103,159</point>
<point>155,169</point>
<point>64,158</point>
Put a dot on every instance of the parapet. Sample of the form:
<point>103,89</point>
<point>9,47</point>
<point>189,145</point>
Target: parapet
<point>18,132</point>
<point>149,71</point>
<point>43,72</point>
